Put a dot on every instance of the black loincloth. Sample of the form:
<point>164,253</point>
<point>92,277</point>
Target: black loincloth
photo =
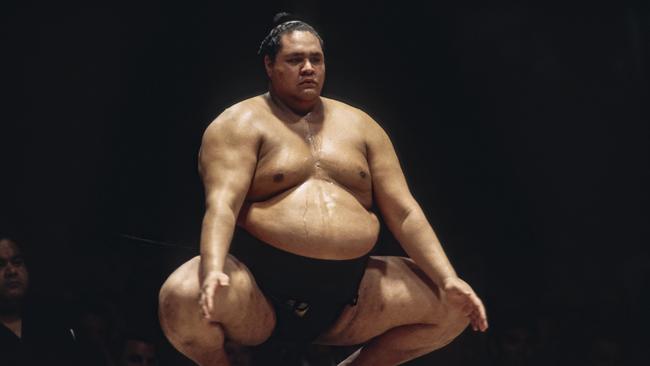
<point>308,294</point>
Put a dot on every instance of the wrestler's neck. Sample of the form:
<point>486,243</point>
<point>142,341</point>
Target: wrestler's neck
<point>296,106</point>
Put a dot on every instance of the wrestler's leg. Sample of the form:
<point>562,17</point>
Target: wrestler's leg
<point>242,313</point>
<point>399,313</point>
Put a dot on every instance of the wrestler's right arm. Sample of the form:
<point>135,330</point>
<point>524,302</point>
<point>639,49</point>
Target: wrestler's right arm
<point>227,161</point>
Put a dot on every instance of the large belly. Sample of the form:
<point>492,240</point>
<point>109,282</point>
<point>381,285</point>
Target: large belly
<point>316,219</point>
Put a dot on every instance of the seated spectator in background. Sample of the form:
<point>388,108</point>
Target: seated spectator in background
<point>137,350</point>
<point>96,325</point>
<point>31,333</point>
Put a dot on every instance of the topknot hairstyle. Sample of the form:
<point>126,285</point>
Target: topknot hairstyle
<point>284,23</point>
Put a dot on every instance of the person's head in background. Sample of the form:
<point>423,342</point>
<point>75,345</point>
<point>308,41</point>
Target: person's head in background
<point>14,276</point>
<point>137,350</point>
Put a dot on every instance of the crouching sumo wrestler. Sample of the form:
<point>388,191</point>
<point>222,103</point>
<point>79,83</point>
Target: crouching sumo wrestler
<point>298,175</point>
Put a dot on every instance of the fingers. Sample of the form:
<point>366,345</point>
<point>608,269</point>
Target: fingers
<point>478,315</point>
<point>472,307</point>
<point>206,301</point>
<point>209,301</point>
<point>475,312</point>
<point>461,295</point>
<point>208,291</point>
<point>475,322</point>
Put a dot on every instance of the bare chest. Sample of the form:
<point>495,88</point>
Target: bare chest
<point>293,154</point>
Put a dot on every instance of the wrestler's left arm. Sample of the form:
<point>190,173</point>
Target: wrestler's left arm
<point>406,220</point>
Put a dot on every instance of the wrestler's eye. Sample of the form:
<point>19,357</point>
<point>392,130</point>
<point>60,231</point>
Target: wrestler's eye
<point>294,61</point>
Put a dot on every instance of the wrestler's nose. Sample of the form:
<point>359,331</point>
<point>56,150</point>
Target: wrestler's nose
<point>307,68</point>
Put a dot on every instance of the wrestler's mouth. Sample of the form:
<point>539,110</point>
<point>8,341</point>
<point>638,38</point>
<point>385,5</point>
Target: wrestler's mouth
<point>308,82</point>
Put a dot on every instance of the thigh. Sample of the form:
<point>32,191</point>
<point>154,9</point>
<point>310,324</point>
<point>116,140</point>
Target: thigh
<point>241,309</point>
<point>394,292</point>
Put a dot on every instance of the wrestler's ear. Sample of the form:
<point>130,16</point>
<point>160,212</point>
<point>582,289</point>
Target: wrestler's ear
<point>268,64</point>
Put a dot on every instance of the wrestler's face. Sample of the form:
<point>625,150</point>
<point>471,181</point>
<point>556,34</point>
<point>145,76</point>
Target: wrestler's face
<point>14,278</point>
<point>298,71</point>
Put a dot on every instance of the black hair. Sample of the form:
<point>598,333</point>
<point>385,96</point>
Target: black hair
<point>284,23</point>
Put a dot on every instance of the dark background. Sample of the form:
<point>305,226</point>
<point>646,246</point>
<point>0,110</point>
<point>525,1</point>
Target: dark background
<point>522,130</point>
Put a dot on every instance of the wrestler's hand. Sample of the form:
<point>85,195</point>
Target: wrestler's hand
<point>460,295</point>
<point>209,287</point>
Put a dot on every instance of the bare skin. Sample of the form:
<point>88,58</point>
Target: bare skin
<point>301,173</point>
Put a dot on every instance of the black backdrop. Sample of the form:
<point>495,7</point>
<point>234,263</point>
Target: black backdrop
<point>522,130</point>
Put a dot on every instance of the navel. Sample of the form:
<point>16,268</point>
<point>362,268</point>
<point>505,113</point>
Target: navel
<point>363,174</point>
<point>278,177</point>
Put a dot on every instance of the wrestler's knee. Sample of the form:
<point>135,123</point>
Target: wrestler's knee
<point>453,324</point>
<point>442,327</point>
<point>182,322</point>
<point>178,299</point>
<point>241,308</point>
<point>180,289</point>
<point>434,336</point>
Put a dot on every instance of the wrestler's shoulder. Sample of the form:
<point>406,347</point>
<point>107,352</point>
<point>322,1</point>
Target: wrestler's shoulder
<point>351,113</point>
<point>243,116</point>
